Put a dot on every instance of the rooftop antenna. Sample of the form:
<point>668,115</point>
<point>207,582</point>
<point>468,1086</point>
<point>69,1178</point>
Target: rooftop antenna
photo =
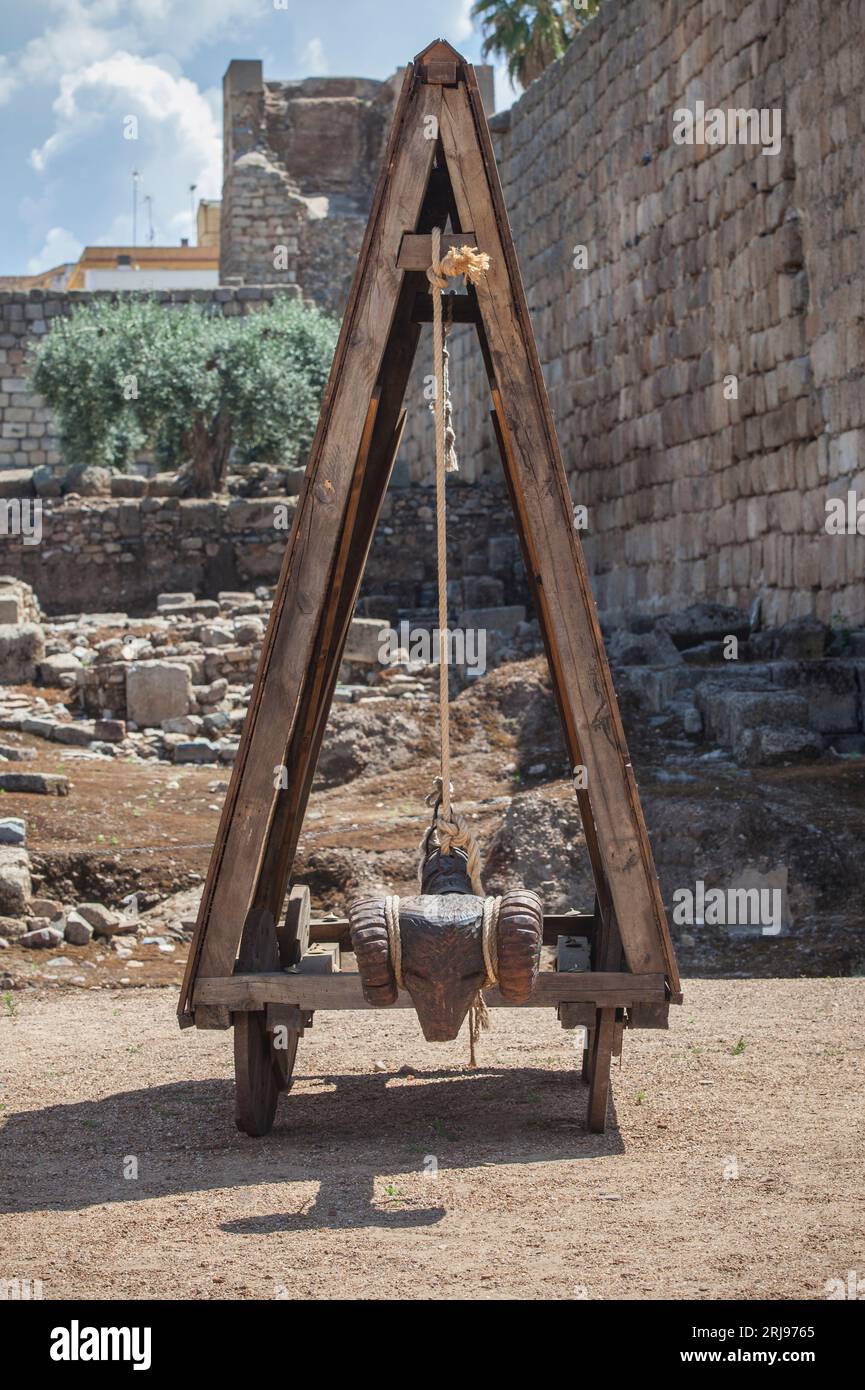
<point>192,188</point>
<point>135,180</point>
<point>148,198</point>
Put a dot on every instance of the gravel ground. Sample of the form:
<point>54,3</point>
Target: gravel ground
<point>732,1166</point>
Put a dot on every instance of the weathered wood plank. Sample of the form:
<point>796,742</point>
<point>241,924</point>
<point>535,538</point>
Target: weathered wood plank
<point>556,924</point>
<point>579,667</point>
<point>243,992</point>
<point>415,252</point>
<point>462,308</point>
<point>603,1043</point>
<point>304,580</point>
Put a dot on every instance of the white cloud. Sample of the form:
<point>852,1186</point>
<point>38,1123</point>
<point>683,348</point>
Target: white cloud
<point>463,26</point>
<point>89,30</point>
<point>178,140</point>
<point>314,58</point>
<point>60,246</point>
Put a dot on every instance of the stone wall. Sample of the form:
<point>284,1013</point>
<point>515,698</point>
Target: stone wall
<point>28,433</point>
<point>300,161</point>
<point>703,261</point>
<point>108,554</point>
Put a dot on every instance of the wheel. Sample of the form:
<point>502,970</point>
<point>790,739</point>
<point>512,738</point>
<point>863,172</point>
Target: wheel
<point>599,1079</point>
<point>256,1073</point>
<point>588,1047</point>
<point>284,1057</point>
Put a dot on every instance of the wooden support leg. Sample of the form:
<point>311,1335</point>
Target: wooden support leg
<point>599,1081</point>
<point>257,1081</point>
<point>587,1055</point>
<point>259,1073</point>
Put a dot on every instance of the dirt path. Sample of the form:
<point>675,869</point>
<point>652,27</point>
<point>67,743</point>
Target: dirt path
<point>336,1203</point>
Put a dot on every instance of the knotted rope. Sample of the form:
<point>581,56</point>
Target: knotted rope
<point>450,831</point>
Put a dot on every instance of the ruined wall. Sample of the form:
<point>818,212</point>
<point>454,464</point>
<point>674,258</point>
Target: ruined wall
<point>300,161</point>
<point>98,554</point>
<point>703,261</point>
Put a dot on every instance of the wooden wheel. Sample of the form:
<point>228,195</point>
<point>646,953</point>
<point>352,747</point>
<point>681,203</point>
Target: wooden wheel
<point>588,1047</point>
<point>256,1074</point>
<point>599,1070</point>
<point>259,1072</point>
<point>285,1029</point>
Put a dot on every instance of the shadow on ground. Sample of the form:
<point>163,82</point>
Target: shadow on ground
<point>355,1135</point>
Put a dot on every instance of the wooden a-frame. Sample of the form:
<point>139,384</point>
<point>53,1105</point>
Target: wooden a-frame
<point>426,182</point>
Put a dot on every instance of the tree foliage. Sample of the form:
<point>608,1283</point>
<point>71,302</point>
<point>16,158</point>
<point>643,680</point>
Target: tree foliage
<point>530,34</point>
<point>186,383</point>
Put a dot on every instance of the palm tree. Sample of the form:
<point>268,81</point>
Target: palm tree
<point>530,34</point>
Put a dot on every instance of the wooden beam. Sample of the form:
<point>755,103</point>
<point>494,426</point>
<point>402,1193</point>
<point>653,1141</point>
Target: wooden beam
<point>556,924</point>
<point>603,1043</point>
<point>289,650</point>
<point>579,666</point>
<point>415,252</point>
<point>241,993</point>
<point>462,309</point>
<point>444,73</point>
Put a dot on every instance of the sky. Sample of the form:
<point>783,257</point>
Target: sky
<point>73,73</point>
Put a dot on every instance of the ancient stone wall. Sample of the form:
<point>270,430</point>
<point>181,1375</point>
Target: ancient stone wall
<point>703,262</point>
<point>99,554</point>
<point>300,161</point>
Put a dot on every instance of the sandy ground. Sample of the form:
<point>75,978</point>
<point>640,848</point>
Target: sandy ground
<point>732,1166</point>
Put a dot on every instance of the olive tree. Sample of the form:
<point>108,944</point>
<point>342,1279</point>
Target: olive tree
<point>185,382</point>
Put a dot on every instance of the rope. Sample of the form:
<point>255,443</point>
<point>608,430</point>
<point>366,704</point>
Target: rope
<point>447,835</point>
<point>450,830</point>
<point>479,1014</point>
<point>394,940</point>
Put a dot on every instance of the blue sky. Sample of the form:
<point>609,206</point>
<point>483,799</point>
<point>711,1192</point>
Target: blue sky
<point>73,71</point>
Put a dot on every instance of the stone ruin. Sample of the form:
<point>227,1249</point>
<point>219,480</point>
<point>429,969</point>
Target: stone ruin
<point>300,161</point>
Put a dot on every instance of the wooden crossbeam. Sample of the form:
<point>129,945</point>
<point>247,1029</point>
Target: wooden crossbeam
<point>242,993</point>
<point>415,252</point>
<point>461,309</point>
<point>556,924</point>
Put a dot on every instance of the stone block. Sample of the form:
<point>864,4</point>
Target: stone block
<point>196,750</point>
<point>10,608</point>
<point>22,647</point>
<point>15,885</point>
<point>13,831</point>
<point>505,620</point>
<point>762,746</point>
<point>365,640</point>
<point>155,691</point>
<point>728,713</point>
<point>51,668</point>
<point>35,783</point>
